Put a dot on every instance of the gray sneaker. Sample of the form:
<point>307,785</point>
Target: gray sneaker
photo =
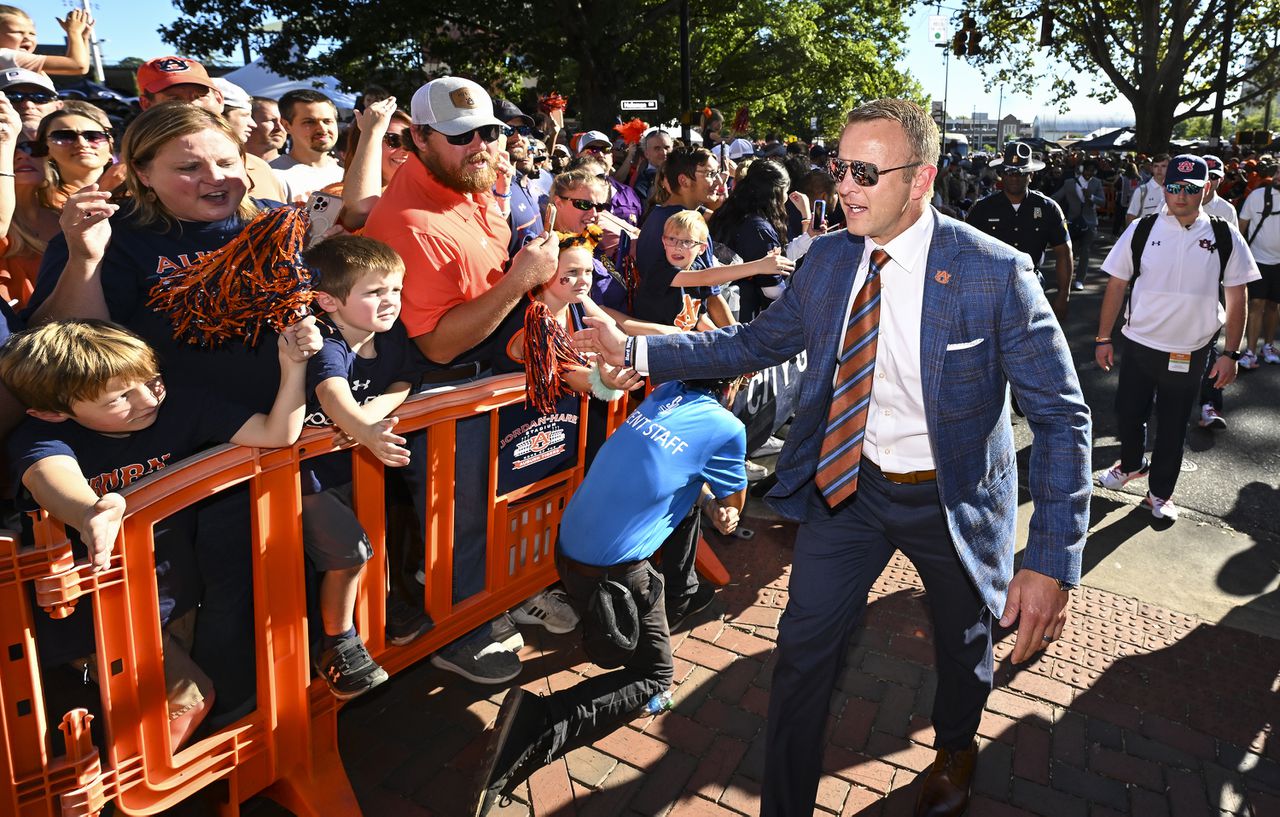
<point>504,633</point>
<point>551,609</point>
<point>483,667</point>
<point>348,670</point>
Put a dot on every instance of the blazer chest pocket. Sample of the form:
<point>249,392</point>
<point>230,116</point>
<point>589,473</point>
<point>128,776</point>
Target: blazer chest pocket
<point>968,344</point>
<point>967,361</point>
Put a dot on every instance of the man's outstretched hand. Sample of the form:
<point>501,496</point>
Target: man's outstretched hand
<point>603,337</point>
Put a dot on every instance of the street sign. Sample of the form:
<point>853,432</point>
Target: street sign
<point>639,104</point>
<point>939,31</point>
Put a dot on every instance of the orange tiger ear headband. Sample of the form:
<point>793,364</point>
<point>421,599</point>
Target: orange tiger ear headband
<point>588,238</point>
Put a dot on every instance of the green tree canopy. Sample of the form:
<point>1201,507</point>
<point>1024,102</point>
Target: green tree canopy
<point>784,60</point>
<point>1163,56</point>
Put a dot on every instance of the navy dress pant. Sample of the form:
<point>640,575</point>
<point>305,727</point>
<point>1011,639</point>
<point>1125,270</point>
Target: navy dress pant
<point>838,555</point>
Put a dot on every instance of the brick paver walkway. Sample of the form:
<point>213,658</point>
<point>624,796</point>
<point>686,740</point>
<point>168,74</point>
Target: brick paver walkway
<point>1136,710</point>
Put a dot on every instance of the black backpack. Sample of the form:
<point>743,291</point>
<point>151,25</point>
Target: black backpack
<point>1266,211</point>
<point>1142,232</point>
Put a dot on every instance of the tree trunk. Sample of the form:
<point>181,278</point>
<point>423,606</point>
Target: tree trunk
<point>1153,117</point>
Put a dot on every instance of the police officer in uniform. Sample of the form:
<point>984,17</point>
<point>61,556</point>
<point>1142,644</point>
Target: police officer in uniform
<point>1026,219</point>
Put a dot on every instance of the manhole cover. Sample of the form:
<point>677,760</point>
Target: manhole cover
<point>1188,466</point>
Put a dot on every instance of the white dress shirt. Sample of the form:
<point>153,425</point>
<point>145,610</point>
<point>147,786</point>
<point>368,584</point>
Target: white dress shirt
<point>897,436</point>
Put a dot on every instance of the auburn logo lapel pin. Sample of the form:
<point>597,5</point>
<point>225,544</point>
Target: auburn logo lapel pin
<point>942,276</point>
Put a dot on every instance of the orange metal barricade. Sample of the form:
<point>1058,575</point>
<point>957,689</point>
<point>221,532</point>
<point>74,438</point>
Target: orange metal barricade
<point>287,747</point>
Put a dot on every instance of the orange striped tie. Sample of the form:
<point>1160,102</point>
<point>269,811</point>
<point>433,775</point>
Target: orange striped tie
<point>837,476</point>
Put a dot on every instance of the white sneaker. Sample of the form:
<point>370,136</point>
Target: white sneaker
<point>1211,418</point>
<point>1161,508</point>
<point>1269,354</point>
<point>1115,479</point>
<point>771,446</point>
<point>1249,360</point>
<point>551,609</point>
<point>755,472</point>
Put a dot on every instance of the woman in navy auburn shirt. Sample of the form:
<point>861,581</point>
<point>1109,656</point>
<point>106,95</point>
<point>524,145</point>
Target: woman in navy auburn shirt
<point>188,195</point>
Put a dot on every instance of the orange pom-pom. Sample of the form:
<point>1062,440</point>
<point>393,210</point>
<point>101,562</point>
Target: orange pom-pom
<point>257,281</point>
<point>553,102</point>
<point>632,131</point>
<point>548,357</point>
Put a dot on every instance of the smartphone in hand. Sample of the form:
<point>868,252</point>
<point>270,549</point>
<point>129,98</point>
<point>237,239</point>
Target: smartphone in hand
<point>324,209</point>
<point>819,214</point>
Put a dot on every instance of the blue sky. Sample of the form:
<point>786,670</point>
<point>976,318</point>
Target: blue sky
<point>119,24</point>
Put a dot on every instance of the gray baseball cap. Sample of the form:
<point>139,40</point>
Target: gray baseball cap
<point>452,105</point>
<point>21,76</point>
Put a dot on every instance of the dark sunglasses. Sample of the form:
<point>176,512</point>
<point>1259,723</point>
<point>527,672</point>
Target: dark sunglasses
<point>523,130</point>
<point>1177,188</point>
<point>488,133</point>
<point>587,204</point>
<point>28,147</point>
<point>395,141</point>
<point>1013,171</point>
<point>865,174</point>
<point>38,97</point>
<point>65,136</point>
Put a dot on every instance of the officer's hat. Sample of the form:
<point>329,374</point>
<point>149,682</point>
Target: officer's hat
<point>1018,156</point>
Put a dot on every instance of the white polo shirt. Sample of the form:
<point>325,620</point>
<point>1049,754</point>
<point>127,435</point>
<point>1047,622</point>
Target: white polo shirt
<point>1266,245</point>
<point>1220,207</point>
<point>1146,200</point>
<point>1174,306</point>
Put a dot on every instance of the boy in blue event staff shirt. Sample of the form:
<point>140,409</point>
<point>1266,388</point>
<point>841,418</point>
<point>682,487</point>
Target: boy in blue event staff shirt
<point>101,419</point>
<point>643,482</point>
<point>362,373</point>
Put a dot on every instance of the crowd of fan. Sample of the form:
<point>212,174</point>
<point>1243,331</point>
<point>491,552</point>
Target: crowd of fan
<point>965,179</point>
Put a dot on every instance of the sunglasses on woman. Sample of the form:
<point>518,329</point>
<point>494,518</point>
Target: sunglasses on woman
<point>66,136</point>
<point>587,204</point>
<point>395,141</point>
<point>27,146</point>
<point>865,174</point>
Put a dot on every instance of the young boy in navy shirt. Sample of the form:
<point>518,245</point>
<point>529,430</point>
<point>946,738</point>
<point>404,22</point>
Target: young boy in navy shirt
<point>363,372</point>
<point>101,419</point>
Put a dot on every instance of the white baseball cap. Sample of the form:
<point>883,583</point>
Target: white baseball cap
<point>233,96</point>
<point>453,106</point>
<point>592,137</point>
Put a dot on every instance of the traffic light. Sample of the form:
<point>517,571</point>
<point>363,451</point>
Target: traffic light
<point>974,37</point>
<point>958,46</point>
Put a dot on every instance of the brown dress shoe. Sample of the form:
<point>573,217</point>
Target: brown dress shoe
<point>945,792</point>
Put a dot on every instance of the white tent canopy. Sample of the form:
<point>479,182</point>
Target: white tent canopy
<point>259,80</point>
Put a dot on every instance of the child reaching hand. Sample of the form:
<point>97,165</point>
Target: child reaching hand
<point>362,373</point>
<point>101,418</point>
<point>18,43</point>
